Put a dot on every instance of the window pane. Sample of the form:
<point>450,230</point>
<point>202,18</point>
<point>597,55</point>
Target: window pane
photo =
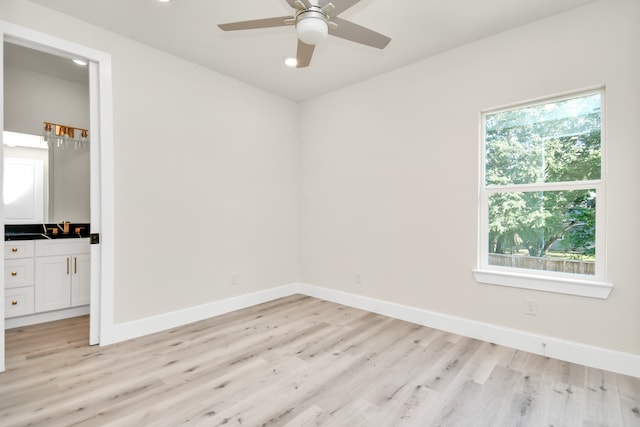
<point>543,230</point>
<point>553,142</point>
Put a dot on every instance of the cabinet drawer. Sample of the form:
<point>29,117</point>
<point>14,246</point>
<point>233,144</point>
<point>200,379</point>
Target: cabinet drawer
<point>18,273</point>
<point>19,249</point>
<point>18,302</point>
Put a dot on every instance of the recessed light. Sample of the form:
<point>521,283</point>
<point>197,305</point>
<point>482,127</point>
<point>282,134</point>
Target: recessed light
<point>80,62</point>
<point>164,1</point>
<point>290,62</point>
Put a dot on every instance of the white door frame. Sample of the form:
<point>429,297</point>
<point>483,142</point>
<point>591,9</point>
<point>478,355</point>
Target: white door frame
<point>102,172</point>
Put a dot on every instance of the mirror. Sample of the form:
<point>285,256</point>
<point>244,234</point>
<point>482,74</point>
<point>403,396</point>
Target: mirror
<point>44,184</point>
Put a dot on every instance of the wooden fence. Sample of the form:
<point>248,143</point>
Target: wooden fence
<point>548,264</point>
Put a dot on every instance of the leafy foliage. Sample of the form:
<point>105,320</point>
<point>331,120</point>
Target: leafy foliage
<point>543,145</point>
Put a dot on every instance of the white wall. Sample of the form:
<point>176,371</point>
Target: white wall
<point>206,186</point>
<point>391,188</point>
<point>32,98</point>
<point>205,169</point>
<point>211,180</point>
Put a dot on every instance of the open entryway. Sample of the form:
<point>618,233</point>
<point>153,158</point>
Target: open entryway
<point>100,166</point>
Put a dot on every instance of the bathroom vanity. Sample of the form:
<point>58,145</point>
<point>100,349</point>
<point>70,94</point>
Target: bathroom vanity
<point>46,277</point>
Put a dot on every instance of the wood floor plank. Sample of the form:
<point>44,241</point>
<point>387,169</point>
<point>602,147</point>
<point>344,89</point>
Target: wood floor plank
<point>299,361</point>
<point>602,400</point>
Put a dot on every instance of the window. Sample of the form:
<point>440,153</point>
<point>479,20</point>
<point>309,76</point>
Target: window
<point>542,174</point>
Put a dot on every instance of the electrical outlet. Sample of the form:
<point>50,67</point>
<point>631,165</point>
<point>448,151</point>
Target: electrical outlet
<point>359,278</point>
<point>234,278</point>
<point>530,307</point>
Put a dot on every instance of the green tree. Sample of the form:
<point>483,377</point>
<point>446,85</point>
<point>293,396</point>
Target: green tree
<point>550,143</point>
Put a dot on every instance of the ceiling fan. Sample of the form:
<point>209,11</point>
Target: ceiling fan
<point>313,23</point>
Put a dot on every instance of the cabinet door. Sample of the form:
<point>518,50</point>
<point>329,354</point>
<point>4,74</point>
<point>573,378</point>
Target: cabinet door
<point>53,283</point>
<point>81,280</point>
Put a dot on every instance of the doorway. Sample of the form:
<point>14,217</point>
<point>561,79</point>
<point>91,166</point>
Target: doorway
<point>101,173</point>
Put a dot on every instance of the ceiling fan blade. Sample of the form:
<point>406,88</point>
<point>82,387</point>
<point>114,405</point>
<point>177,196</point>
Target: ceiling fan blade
<point>295,4</point>
<point>280,21</point>
<point>305,3</point>
<point>356,33</point>
<point>305,52</point>
<point>339,5</point>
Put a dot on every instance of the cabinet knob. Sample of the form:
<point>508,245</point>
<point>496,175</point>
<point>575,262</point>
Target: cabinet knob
<point>14,249</point>
<point>14,302</point>
<point>14,273</point>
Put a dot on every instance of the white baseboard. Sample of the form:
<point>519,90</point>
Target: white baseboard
<point>150,325</point>
<point>49,316</point>
<point>570,351</point>
<point>596,357</point>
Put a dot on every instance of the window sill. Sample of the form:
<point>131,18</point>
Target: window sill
<point>569,286</point>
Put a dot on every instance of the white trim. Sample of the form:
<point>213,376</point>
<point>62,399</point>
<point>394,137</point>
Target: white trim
<point>559,285</point>
<point>103,260</point>
<point>161,322</point>
<point>105,204</point>
<point>546,186</point>
<point>49,316</point>
<point>571,351</point>
<point>541,100</point>
<point>2,219</point>
<point>548,281</point>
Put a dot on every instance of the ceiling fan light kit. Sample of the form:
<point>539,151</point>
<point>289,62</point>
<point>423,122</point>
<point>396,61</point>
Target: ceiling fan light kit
<point>312,26</point>
<point>313,23</point>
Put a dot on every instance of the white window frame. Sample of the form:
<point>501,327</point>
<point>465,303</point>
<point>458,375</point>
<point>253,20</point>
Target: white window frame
<point>551,281</point>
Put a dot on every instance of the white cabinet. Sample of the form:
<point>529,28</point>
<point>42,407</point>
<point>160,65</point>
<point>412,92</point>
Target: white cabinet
<point>53,283</point>
<point>19,249</point>
<point>18,278</point>
<point>18,301</point>
<point>62,274</point>
<point>81,280</point>
<point>18,273</point>
<point>46,275</point>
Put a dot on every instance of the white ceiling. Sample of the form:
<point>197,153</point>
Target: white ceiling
<point>418,29</point>
<point>45,63</point>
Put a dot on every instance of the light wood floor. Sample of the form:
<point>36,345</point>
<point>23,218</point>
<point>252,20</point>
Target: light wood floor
<point>299,361</point>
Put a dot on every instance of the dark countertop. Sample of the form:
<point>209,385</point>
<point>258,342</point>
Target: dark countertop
<point>37,231</point>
